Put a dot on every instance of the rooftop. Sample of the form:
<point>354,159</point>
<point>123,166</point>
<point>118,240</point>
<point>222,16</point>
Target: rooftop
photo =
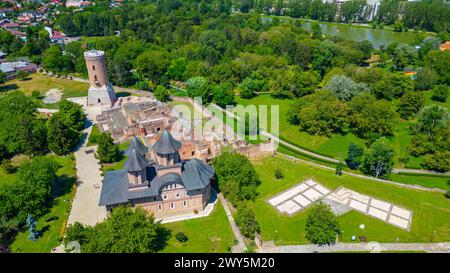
<point>94,53</point>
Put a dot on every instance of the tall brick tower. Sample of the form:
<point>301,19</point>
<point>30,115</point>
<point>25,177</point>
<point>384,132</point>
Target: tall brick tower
<point>101,91</point>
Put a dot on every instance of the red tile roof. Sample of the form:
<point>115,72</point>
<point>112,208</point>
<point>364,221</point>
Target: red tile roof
<point>445,46</point>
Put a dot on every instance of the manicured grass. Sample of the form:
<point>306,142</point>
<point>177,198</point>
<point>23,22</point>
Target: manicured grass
<point>43,83</point>
<point>209,234</point>
<point>426,181</point>
<point>95,133</point>
<point>431,210</point>
<point>52,230</point>
<point>335,146</point>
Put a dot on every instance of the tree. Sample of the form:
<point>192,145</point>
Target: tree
<point>152,65</point>
<point>246,220</point>
<point>61,137</point>
<point>354,156</point>
<point>34,189</point>
<point>438,161</point>
<point>438,61</point>
<point>320,113</point>
<point>321,226</point>
<point>344,87</point>
<point>71,114</point>
<point>2,77</point>
<point>410,103</point>
<point>17,112</point>
<point>316,31</point>
<point>306,83</point>
<point>236,176</point>
<point>249,87</point>
<point>120,68</point>
<point>366,48</point>
<point>107,151</point>
<point>432,118</point>
<point>440,93</point>
<point>162,94</point>
<point>199,87</point>
<point>369,116</point>
<point>54,60</point>
<point>223,95</point>
<point>125,230</point>
<point>425,78</point>
<point>378,160</point>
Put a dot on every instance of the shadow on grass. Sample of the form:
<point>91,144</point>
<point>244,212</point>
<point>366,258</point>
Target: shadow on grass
<point>62,186</point>
<point>162,237</point>
<point>8,87</point>
<point>123,94</point>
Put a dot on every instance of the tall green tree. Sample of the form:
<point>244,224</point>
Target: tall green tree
<point>322,226</point>
<point>107,151</point>
<point>378,160</point>
<point>125,230</point>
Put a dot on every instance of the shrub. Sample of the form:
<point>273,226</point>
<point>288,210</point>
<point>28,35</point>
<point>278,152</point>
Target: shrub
<point>278,174</point>
<point>35,94</point>
<point>246,220</point>
<point>321,226</point>
<point>440,93</point>
<point>8,167</point>
<point>339,168</point>
<point>181,237</point>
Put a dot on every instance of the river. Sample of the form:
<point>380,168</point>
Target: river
<point>377,37</point>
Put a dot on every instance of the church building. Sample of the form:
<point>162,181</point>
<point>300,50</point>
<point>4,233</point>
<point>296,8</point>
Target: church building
<point>157,179</point>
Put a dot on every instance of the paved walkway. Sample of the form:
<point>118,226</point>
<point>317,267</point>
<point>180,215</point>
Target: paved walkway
<point>402,170</point>
<point>85,208</point>
<point>269,247</point>
<point>240,247</point>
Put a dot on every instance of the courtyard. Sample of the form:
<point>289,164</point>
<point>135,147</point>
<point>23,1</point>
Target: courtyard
<point>341,201</point>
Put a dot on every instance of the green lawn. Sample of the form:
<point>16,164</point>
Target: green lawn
<point>431,211</point>
<point>53,229</point>
<point>426,181</point>
<point>209,234</point>
<point>95,133</point>
<point>43,83</point>
<point>335,146</point>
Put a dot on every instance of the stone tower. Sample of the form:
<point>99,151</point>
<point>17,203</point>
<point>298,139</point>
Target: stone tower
<point>101,91</point>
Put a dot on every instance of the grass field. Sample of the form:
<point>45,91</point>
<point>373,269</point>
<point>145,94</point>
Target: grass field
<point>335,146</point>
<point>52,230</point>
<point>43,83</point>
<point>209,234</point>
<point>431,211</point>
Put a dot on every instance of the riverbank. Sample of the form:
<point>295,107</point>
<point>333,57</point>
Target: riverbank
<point>357,32</point>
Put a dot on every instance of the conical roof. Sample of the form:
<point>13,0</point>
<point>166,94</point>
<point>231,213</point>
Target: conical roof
<point>137,145</point>
<point>135,161</point>
<point>166,144</point>
<point>196,174</point>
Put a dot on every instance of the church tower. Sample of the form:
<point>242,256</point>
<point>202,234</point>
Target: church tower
<point>101,91</point>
